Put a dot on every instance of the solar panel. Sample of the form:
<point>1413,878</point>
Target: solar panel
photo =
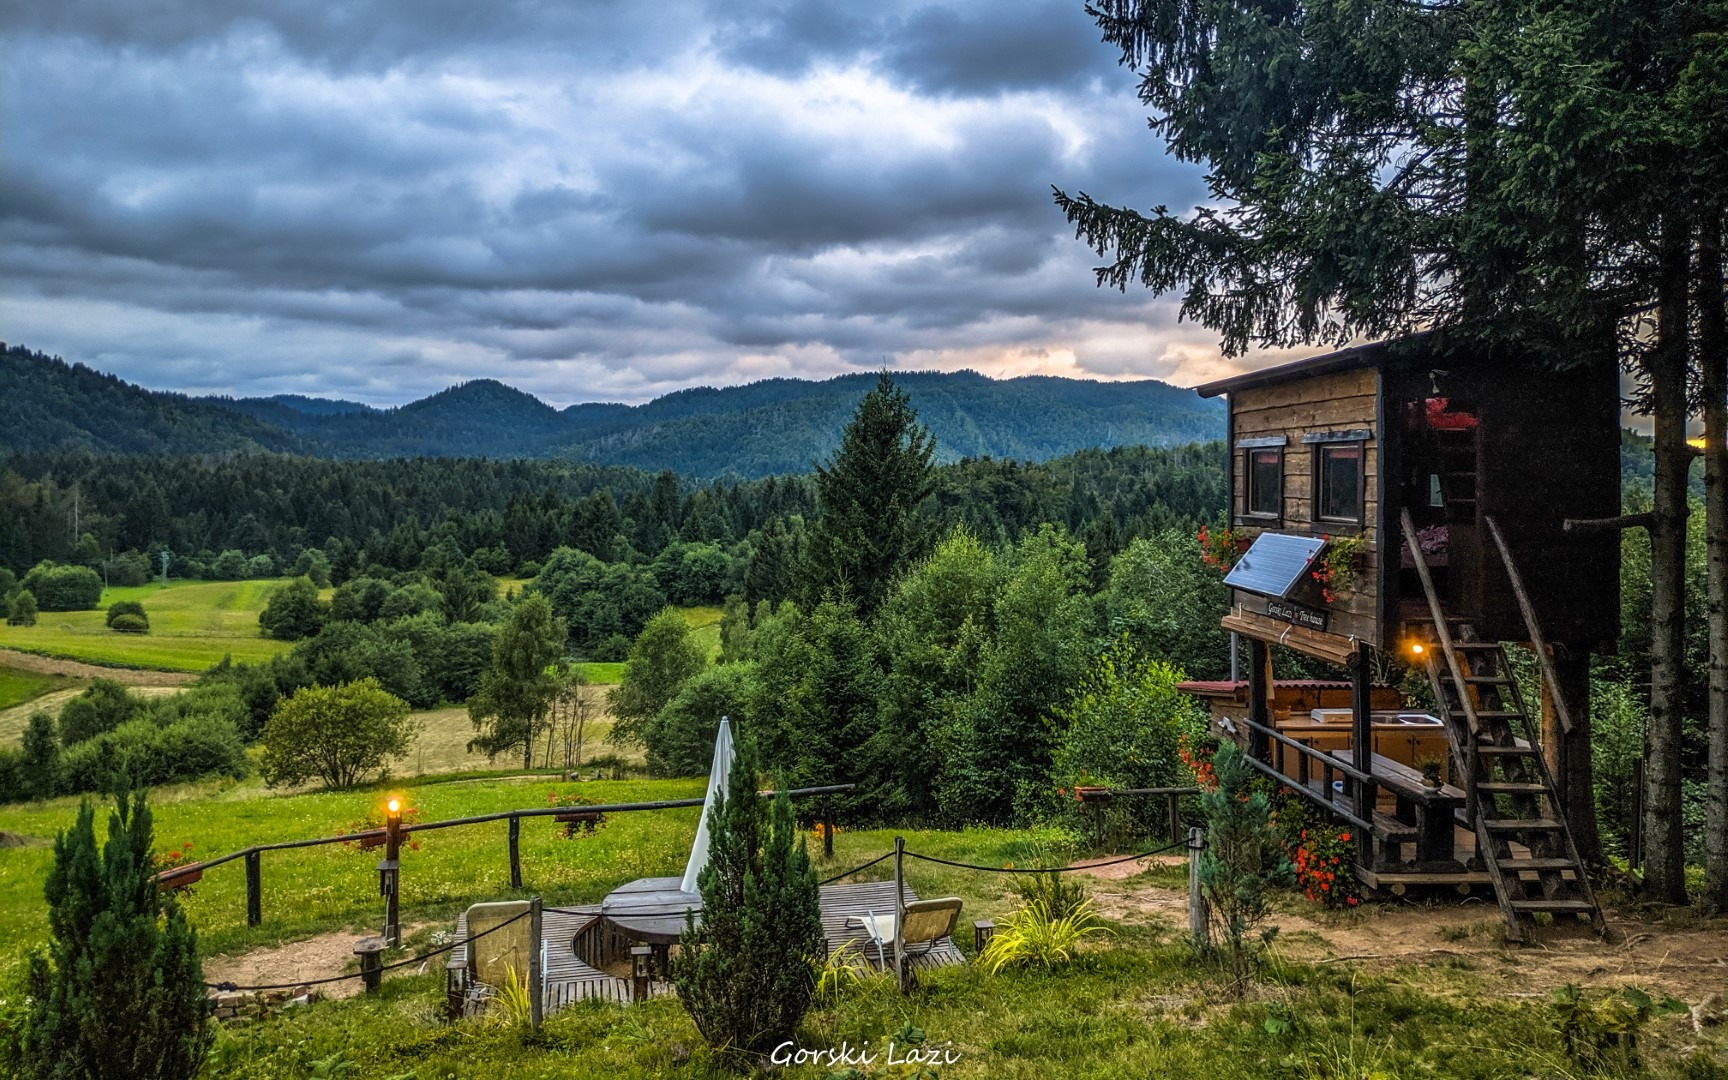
<point>1274,563</point>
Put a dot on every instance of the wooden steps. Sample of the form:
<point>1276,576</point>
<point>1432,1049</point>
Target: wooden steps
<point>1509,787</point>
<point>1521,833</point>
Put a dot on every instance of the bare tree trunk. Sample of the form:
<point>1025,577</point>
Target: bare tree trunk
<point>1666,365</point>
<point>1713,354</point>
<point>581,722</point>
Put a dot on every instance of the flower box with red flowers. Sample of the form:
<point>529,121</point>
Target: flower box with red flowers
<point>180,878</point>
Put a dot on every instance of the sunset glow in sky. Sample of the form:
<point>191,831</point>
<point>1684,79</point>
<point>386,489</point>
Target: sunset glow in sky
<point>590,201</point>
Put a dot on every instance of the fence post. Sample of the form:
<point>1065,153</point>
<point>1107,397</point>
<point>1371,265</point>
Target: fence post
<point>515,852</point>
<point>254,888</point>
<point>899,911</point>
<point>536,972</point>
<point>1197,915</point>
<point>1175,807</point>
<point>827,829</point>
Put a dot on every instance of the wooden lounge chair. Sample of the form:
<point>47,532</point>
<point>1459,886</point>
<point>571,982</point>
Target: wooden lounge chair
<point>927,922</point>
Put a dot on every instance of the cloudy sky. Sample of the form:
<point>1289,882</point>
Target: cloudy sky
<point>588,200</point>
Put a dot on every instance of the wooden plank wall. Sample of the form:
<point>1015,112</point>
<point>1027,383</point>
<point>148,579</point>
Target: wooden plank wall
<point>1339,401</point>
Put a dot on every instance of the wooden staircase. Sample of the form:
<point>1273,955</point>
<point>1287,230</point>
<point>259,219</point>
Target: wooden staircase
<point>1521,833</point>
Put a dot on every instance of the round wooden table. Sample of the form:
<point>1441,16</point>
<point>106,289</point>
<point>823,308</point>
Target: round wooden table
<point>651,910</point>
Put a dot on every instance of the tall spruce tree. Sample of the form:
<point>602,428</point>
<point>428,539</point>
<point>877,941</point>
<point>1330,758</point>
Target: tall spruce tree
<point>120,993</point>
<point>868,494</point>
<point>747,975</point>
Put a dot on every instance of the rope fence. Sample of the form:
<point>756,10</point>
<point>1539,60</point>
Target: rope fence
<point>1043,869</point>
<point>230,988</point>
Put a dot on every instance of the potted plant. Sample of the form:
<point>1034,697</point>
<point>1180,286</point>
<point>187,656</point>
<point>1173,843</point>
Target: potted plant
<point>1433,771</point>
<point>1220,548</point>
<point>1339,564</point>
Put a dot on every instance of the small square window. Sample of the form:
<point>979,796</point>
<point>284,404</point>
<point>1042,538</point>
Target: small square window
<point>1265,475</point>
<point>1338,481</point>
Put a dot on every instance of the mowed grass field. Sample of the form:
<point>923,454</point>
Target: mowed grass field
<point>193,624</point>
<point>22,687</point>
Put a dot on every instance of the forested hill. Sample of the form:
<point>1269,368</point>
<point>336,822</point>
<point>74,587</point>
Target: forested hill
<point>47,405</point>
<point>777,426</point>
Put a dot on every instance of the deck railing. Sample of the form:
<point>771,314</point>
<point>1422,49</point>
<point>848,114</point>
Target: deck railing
<point>1329,768</point>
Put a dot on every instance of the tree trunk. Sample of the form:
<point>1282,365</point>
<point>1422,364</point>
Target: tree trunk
<point>1568,753</point>
<point>1713,354</point>
<point>1665,365</point>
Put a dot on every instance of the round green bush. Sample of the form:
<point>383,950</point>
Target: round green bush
<point>126,607</point>
<point>129,624</point>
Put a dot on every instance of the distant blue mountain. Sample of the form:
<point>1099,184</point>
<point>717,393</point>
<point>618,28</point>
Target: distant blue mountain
<point>775,426</point>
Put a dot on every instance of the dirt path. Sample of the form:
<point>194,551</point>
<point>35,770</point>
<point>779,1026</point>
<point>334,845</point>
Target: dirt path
<point>1463,943</point>
<point>50,665</point>
<point>319,957</point>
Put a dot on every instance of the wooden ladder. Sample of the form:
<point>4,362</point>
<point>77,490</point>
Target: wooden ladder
<point>1521,833</point>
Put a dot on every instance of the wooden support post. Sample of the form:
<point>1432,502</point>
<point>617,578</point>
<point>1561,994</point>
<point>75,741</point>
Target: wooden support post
<point>1566,725</point>
<point>515,852</point>
<point>899,911</point>
<point>827,829</point>
<point>1175,808</point>
<point>1362,748</point>
<point>455,989</point>
<point>1259,698</point>
<point>639,971</point>
<point>1198,930</point>
<point>254,888</point>
<point>391,878</point>
<point>536,970</point>
<point>371,953</point>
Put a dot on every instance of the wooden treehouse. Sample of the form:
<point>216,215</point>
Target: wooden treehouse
<point>1410,497</point>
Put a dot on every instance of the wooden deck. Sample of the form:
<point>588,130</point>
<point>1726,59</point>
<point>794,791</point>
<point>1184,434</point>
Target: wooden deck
<point>840,902</point>
<point>578,944</point>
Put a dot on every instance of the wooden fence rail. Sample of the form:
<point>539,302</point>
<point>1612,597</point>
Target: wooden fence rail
<point>192,872</point>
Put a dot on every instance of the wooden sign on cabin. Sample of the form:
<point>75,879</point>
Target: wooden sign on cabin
<point>1336,447</point>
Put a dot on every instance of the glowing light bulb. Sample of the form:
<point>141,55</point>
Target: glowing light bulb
<point>395,806</point>
<point>1417,649</point>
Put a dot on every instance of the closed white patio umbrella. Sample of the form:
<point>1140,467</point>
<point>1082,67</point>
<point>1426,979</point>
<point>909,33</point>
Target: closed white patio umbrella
<point>717,777</point>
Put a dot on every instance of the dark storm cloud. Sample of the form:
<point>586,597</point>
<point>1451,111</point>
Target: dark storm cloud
<point>593,200</point>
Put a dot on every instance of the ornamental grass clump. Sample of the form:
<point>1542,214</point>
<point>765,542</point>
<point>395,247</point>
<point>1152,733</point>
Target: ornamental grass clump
<point>747,974</point>
<point>1038,937</point>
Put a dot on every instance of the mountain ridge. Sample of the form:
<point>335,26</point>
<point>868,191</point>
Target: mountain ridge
<point>773,426</point>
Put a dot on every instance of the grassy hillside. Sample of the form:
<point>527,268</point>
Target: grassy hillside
<point>193,624</point>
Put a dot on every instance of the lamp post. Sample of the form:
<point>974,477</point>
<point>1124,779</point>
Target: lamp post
<point>390,871</point>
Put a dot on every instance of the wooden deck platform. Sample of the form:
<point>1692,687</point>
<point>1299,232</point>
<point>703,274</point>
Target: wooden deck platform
<point>578,943</point>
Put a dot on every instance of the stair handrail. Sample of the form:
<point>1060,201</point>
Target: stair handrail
<point>1549,675</point>
<point>1439,617</point>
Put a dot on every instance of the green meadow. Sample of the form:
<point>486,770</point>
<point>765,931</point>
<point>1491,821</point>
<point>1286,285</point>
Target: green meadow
<point>193,624</point>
